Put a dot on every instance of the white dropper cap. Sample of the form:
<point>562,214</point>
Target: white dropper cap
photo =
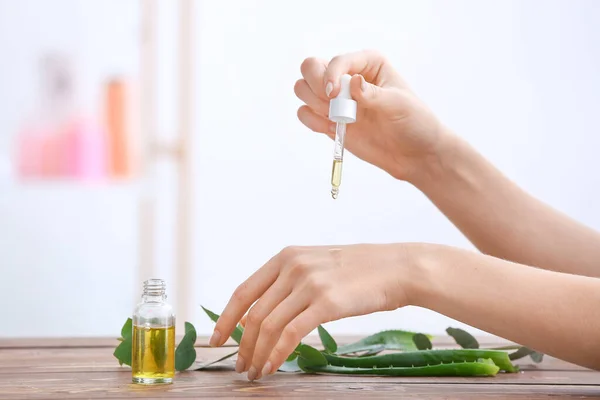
<point>342,108</point>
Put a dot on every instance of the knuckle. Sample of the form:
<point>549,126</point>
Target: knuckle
<point>254,317</point>
<point>268,326</point>
<point>307,65</point>
<point>336,59</point>
<point>299,270</point>
<point>314,283</point>
<point>290,336</point>
<point>240,293</point>
<point>290,253</point>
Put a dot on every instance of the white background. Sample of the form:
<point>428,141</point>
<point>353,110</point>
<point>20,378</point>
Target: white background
<point>518,79</point>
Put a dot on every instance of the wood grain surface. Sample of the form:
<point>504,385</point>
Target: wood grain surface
<point>82,368</point>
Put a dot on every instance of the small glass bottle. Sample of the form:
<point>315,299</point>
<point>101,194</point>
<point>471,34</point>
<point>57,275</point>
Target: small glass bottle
<point>153,351</point>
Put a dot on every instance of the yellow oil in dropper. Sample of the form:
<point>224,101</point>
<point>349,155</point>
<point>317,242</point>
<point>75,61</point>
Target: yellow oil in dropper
<point>342,111</point>
<point>338,159</point>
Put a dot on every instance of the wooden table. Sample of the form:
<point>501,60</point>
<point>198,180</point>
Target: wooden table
<point>85,368</point>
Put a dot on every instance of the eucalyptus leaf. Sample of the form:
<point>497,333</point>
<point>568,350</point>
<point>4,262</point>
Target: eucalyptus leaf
<point>237,332</point>
<point>208,364</point>
<point>372,352</point>
<point>127,329</point>
<point>537,357</point>
<point>310,357</point>
<point>422,342</point>
<point>123,352</point>
<point>290,366</point>
<point>185,354</point>
<point>463,338</point>
<point>520,353</point>
<point>385,340</point>
<point>327,340</point>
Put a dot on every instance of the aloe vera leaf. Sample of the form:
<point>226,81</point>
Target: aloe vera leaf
<point>237,332</point>
<point>422,342</point>
<point>208,364</point>
<point>327,340</point>
<point>423,358</point>
<point>478,368</point>
<point>463,338</point>
<point>386,340</point>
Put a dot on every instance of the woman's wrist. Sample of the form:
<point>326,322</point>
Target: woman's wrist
<point>422,272</point>
<point>440,165</point>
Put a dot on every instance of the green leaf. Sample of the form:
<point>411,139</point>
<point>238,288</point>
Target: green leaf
<point>453,369</point>
<point>290,366</point>
<point>237,332</point>
<point>123,352</point>
<point>208,364</point>
<point>292,356</point>
<point>185,355</point>
<point>385,340</point>
<point>422,342</point>
<point>520,353</point>
<point>422,358</point>
<point>127,329</point>
<point>310,357</point>
<point>463,338</point>
<point>328,342</point>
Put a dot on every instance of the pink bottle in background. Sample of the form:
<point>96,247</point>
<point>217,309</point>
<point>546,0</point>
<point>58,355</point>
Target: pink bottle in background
<point>85,150</point>
<point>61,143</point>
<point>29,152</point>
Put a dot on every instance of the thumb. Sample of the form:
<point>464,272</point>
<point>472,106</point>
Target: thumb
<point>367,94</point>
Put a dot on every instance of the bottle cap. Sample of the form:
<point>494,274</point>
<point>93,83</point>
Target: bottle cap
<point>342,108</point>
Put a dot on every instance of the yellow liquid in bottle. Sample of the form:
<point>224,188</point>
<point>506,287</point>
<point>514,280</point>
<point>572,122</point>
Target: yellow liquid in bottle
<point>153,355</point>
<point>336,177</point>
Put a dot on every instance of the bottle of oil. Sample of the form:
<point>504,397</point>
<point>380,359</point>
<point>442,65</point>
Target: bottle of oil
<point>153,351</point>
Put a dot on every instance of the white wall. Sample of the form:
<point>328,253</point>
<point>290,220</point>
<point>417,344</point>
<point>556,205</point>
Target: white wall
<point>517,79</point>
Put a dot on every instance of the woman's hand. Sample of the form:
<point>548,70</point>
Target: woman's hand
<point>302,287</point>
<point>394,130</point>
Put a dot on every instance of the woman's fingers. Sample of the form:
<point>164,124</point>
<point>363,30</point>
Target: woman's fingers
<point>243,297</point>
<point>313,70</point>
<point>366,63</point>
<point>291,336</point>
<point>271,330</point>
<point>316,122</point>
<point>304,93</point>
<point>259,313</point>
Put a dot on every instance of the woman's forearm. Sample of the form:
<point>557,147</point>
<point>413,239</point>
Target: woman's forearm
<point>551,312</point>
<point>501,219</point>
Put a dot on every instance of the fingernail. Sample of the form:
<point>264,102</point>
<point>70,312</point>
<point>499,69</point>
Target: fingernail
<point>252,374</point>
<point>240,364</point>
<point>214,339</point>
<point>328,88</point>
<point>266,369</point>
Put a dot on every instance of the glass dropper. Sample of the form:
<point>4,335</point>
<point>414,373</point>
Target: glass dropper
<point>342,111</point>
